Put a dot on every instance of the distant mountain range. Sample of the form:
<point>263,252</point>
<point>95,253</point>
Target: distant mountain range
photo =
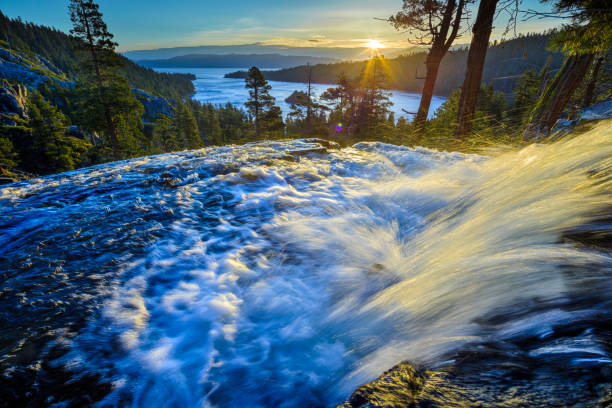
<point>505,62</point>
<point>235,61</point>
<point>339,53</point>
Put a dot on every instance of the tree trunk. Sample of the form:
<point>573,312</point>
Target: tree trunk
<point>433,63</point>
<point>475,64</point>
<point>308,127</point>
<point>590,89</point>
<point>439,47</point>
<point>255,90</point>
<point>112,128</point>
<point>552,103</point>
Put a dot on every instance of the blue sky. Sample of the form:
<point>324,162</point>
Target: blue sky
<point>140,24</point>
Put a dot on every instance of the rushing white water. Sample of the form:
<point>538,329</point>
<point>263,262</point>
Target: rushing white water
<point>277,282</point>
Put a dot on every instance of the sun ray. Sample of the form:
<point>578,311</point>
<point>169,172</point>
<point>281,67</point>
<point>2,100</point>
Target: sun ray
<point>374,44</point>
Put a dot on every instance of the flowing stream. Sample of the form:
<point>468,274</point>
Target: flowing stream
<point>286,274</point>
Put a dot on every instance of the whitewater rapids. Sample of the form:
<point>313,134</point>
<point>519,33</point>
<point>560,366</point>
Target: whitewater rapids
<point>284,274</point>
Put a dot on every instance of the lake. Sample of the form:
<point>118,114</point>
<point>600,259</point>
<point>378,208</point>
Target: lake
<point>212,87</point>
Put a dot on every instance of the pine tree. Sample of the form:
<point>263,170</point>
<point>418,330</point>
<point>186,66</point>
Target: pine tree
<point>362,107</point>
<point>50,150</point>
<point>115,105</point>
<point>164,138</point>
<point>266,115</point>
<point>526,92</point>
<point>345,99</point>
<point>123,113</point>
<point>91,30</point>
<point>435,23</point>
<point>187,127</point>
<point>214,132</point>
<point>8,156</point>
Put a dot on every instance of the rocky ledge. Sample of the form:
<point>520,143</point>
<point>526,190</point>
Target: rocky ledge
<point>31,71</point>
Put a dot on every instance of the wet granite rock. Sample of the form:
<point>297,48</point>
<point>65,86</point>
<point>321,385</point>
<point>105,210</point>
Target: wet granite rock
<point>398,387</point>
<point>599,111</point>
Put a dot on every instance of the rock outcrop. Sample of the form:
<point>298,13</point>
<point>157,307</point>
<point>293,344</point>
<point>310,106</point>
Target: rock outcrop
<point>13,104</point>
<point>496,385</point>
<point>599,111</point>
<point>154,105</point>
<point>30,70</point>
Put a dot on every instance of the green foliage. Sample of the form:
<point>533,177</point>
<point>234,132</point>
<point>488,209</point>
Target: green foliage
<point>208,123</point>
<point>93,37</point>
<point>8,156</point>
<point>187,127</point>
<point>195,124</point>
<point>58,48</point>
<point>526,93</point>
<point>110,105</point>
<point>306,118</point>
<point>113,105</point>
<point>165,136</point>
<point>360,104</point>
<point>43,146</point>
<point>235,125</point>
<point>267,117</point>
<point>590,30</point>
<point>490,122</point>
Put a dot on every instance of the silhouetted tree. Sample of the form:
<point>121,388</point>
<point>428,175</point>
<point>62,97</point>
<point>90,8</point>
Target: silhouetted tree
<point>361,105</point>
<point>261,105</point>
<point>435,23</point>
<point>481,32</point>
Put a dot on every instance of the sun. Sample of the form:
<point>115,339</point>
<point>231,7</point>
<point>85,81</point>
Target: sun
<point>374,44</point>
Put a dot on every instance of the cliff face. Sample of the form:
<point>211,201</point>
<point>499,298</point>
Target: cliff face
<point>13,104</point>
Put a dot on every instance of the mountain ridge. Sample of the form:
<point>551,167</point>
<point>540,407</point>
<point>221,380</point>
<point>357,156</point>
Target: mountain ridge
<point>235,60</point>
<point>505,62</point>
<point>254,48</point>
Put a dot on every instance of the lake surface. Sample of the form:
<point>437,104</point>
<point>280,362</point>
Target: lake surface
<point>212,87</point>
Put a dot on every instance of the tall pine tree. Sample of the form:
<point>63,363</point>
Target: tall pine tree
<point>164,135</point>
<point>187,127</point>
<point>261,105</point>
<point>108,95</point>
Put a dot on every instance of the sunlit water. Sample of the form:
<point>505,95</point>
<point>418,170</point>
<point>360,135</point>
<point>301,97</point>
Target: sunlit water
<point>258,275</point>
<point>212,87</point>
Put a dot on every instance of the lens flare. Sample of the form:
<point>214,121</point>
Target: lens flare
<point>375,44</point>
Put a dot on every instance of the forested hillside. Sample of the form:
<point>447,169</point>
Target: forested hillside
<point>58,47</point>
<point>505,62</point>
